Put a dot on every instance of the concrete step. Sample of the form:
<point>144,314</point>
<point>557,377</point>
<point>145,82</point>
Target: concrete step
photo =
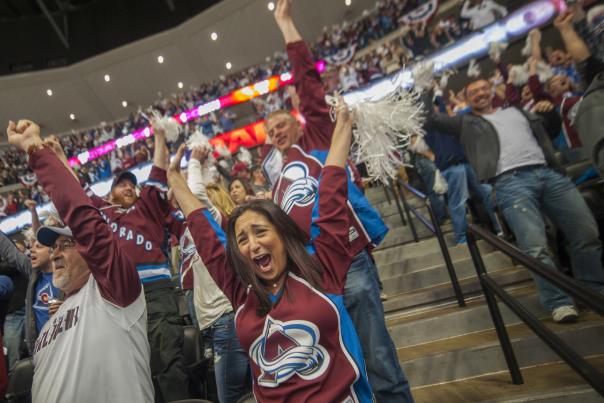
<point>422,257</point>
<point>401,235</point>
<point>444,292</point>
<point>449,321</point>
<point>480,353</point>
<point>418,278</point>
<point>551,383</point>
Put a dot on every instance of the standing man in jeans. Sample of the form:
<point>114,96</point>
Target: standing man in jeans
<point>510,148</point>
<point>304,151</point>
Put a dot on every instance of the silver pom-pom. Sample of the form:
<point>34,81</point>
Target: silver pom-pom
<point>168,124</point>
<point>423,74</point>
<point>198,139</point>
<point>544,71</point>
<point>534,34</point>
<point>382,131</point>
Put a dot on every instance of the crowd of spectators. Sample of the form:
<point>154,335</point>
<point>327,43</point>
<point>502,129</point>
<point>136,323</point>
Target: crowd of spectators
<point>371,26</point>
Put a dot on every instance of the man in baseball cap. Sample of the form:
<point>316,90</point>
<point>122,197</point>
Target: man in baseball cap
<point>94,348</point>
<point>123,189</point>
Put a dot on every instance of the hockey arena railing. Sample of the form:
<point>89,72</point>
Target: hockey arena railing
<point>429,222</point>
<point>490,288</point>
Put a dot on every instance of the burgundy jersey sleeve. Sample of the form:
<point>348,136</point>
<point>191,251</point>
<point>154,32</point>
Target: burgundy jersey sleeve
<point>330,226</point>
<point>318,127</point>
<point>210,241</point>
<point>175,222</point>
<point>114,273</point>
<point>97,201</point>
<point>154,194</point>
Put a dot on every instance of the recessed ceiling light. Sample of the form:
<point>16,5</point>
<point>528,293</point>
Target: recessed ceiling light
<point>107,77</point>
<point>124,104</point>
<point>271,6</point>
<point>180,84</point>
<point>214,36</point>
<point>348,3</point>
<point>71,116</point>
<point>49,92</point>
<point>160,59</point>
<point>229,66</point>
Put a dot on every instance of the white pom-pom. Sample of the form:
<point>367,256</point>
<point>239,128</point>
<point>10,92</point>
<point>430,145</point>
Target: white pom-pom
<point>444,79</point>
<point>198,139</point>
<point>534,34</point>
<point>440,183</point>
<point>168,124</point>
<point>473,69</point>
<point>382,131</point>
<point>223,151</point>
<point>244,156</point>
<point>423,74</point>
<point>496,49</point>
<point>544,71</point>
<point>519,75</point>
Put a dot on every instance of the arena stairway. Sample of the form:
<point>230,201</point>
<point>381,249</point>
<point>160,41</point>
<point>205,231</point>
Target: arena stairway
<point>452,354</point>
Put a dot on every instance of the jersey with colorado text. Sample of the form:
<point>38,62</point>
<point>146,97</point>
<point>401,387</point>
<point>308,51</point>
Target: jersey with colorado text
<point>140,229</point>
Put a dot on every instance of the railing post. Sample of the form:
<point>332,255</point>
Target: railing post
<point>406,206</point>
<point>446,256</point>
<point>387,194</point>
<point>397,201</point>
<point>502,333</point>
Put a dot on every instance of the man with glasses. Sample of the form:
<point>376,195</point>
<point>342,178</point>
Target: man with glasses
<point>510,148</point>
<point>94,348</point>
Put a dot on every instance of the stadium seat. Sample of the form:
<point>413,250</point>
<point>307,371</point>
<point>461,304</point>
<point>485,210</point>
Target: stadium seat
<point>195,363</point>
<point>183,308</point>
<point>20,382</point>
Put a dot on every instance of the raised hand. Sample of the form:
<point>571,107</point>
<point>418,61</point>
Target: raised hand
<point>173,171</point>
<point>30,204</point>
<point>23,134</point>
<point>283,11</point>
<point>200,153</point>
<point>564,20</point>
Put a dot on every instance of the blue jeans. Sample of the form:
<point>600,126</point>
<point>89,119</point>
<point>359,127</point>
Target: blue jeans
<point>362,301</point>
<point>522,196</point>
<point>231,364</point>
<point>462,180</point>
<point>426,170</point>
<point>13,336</point>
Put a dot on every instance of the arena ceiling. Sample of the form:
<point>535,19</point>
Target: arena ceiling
<point>123,39</point>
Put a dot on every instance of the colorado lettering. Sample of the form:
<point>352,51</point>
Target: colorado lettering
<point>128,234</point>
<point>59,325</point>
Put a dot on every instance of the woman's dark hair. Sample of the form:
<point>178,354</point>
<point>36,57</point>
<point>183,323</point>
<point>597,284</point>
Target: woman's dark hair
<point>294,241</point>
<point>246,185</point>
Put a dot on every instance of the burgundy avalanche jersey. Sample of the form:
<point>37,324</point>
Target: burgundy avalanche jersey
<point>140,229</point>
<point>296,187</point>
<point>306,348</point>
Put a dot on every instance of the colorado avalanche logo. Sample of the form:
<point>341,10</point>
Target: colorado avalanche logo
<point>302,188</point>
<point>286,349</point>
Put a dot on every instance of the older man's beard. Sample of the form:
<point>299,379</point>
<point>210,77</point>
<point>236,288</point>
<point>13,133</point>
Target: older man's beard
<point>61,280</point>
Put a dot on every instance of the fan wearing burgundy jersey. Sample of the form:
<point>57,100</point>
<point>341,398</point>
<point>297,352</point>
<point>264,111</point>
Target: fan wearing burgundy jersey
<point>139,225</point>
<point>290,316</point>
<point>304,151</point>
<point>94,348</point>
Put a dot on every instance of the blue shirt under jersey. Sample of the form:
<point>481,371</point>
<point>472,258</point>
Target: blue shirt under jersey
<point>44,292</point>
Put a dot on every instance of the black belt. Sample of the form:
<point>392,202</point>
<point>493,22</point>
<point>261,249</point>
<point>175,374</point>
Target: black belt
<point>156,285</point>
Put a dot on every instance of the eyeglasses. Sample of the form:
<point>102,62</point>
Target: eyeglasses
<point>62,245</point>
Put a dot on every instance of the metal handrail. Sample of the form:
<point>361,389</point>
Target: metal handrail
<point>490,288</point>
<point>434,227</point>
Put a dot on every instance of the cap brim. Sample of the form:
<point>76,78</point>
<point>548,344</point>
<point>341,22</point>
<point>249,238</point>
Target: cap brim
<point>125,175</point>
<point>47,235</point>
